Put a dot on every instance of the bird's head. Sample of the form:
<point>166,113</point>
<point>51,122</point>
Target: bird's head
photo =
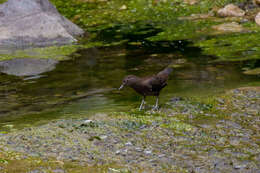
<point>127,81</point>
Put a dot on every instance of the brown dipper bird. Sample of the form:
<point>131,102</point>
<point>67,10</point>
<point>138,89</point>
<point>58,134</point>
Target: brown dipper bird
<point>148,86</point>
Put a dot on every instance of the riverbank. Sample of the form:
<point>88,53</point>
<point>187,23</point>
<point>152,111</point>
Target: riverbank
<point>218,134</point>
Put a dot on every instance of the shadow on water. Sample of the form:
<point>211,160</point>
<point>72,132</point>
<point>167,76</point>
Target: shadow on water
<point>88,82</point>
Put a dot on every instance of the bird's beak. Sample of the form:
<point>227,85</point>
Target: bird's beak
<point>121,87</point>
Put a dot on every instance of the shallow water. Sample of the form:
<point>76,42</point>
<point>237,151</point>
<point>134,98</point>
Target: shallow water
<point>88,82</point>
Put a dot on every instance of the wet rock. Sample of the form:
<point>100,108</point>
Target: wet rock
<point>27,66</point>
<point>231,10</point>
<point>228,27</point>
<point>257,18</point>
<point>34,23</point>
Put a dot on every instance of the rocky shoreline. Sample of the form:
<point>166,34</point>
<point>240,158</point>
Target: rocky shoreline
<point>219,134</point>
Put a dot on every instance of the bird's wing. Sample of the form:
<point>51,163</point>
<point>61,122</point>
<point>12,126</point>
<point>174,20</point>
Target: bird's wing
<point>154,83</point>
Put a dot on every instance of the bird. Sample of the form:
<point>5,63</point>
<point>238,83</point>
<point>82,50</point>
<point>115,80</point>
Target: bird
<point>148,86</point>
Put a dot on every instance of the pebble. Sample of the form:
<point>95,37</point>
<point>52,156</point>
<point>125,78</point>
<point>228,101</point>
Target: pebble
<point>137,146</point>
<point>103,137</point>
<point>88,121</point>
<point>240,166</point>
<point>128,144</point>
<point>161,155</point>
<point>148,152</point>
<point>138,149</point>
<point>118,152</point>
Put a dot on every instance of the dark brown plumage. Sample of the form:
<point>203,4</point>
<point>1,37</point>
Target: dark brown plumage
<point>148,86</point>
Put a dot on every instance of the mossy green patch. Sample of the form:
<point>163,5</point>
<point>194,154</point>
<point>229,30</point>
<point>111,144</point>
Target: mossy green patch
<point>255,71</point>
<point>54,52</point>
<point>232,47</point>
<point>2,1</point>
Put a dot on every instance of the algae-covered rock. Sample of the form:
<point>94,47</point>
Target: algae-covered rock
<point>231,10</point>
<point>38,23</point>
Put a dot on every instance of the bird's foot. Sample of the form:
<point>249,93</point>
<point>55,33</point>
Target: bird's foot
<point>155,108</point>
<point>141,108</point>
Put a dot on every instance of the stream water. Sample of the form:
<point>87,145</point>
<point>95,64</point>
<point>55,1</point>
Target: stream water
<point>88,82</point>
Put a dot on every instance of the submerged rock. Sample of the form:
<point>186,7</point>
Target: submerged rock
<point>27,66</point>
<point>34,23</point>
<point>231,10</point>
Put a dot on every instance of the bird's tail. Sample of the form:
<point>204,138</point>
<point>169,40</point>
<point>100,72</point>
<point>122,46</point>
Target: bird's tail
<point>165,73</point>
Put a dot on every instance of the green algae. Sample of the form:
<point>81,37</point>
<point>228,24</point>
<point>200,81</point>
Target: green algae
<point>232,47</point>
<point>255,71</point>
<point>163,17</point>
<point>54,52</point>
<point>98,16</point>
<point>2,1</point>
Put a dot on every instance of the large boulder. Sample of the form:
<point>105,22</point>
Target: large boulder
<point>34,23</point>
<point>231,10</point>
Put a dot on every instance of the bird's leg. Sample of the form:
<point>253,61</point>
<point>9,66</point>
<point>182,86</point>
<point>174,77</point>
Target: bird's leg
<point>142,103</point>
<point>156,107</point>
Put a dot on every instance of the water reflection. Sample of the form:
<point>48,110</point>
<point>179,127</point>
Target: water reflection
<point>27,66</point>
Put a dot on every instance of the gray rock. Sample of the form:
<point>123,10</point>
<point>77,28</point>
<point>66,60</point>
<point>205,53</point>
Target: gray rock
<point>27,66</point>
<point>34,23</point>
